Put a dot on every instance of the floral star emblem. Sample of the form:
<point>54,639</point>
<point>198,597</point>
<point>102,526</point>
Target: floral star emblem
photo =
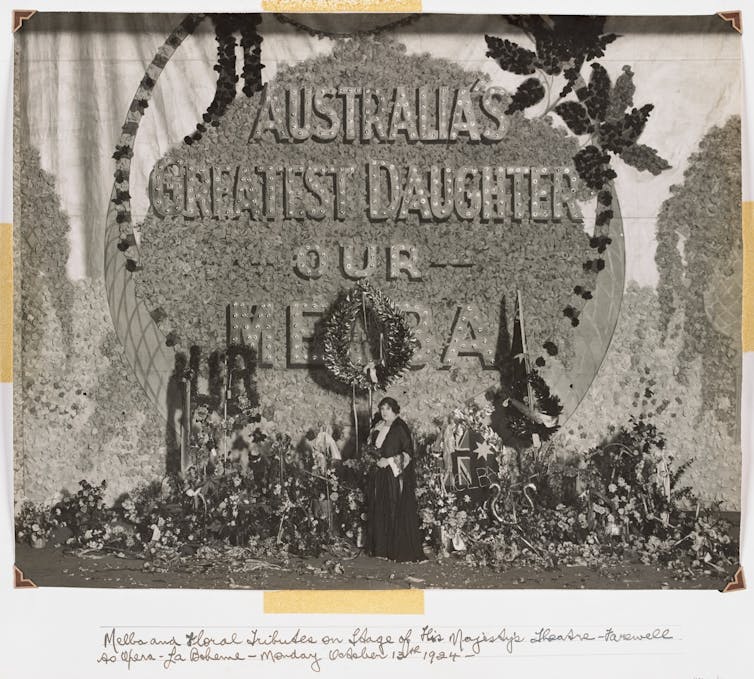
<point>483,450</point>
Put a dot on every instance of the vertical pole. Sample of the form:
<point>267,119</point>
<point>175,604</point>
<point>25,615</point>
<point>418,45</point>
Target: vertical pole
<point>186,433</point>
<point>282,471</point>
<point>183,426</point>
<point>329,507</point>
<point>527,363</point>
<point>355,416</point>
<point>226,387</point>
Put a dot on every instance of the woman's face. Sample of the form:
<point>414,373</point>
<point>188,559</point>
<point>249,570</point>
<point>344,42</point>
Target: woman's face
<point>387,412</point>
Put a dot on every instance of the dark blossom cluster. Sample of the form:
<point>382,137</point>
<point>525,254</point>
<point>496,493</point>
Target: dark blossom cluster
<point>563,44</point>
<point>226,26</point>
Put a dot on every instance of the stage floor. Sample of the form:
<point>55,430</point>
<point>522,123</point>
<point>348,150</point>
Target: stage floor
<point>50,567</point>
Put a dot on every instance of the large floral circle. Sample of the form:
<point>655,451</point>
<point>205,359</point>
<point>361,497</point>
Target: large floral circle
<point>190,270</point>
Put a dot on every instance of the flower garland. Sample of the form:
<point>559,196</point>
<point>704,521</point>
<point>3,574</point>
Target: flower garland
<point>225,26</point>
<point>397,341</point>
<point>335,35</point>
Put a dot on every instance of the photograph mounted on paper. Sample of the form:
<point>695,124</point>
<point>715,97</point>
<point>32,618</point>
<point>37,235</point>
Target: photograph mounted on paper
<point>377,301</point>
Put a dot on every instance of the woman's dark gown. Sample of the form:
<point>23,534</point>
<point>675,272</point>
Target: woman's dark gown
<point>393,525</point>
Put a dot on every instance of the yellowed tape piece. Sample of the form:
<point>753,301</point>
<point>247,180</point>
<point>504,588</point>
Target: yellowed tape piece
<point>310,6</point>
<point>747,325</point>
<point>6,303</point>
<point>380,602</point>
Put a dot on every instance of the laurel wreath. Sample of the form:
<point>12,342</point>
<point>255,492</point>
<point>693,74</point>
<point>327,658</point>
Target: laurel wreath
<point>397,339</point>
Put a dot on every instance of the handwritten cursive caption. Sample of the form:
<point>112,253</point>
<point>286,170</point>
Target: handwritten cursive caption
<point>316,649</point>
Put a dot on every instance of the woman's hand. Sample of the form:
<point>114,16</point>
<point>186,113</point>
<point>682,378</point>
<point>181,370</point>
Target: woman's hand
<point>383,462</point>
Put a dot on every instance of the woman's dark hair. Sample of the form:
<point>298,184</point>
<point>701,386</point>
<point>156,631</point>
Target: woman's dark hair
<point>240,444</point>
<point>391,403</point>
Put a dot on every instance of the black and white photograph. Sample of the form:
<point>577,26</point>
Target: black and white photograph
<point>377,301</point>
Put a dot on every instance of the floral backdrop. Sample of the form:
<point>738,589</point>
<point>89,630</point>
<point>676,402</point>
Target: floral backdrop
<point>78,410</point>
<point>251,261</point>
<point>642,468</point>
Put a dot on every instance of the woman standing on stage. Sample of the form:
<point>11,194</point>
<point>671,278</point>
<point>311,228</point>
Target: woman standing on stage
<point>393,521</point>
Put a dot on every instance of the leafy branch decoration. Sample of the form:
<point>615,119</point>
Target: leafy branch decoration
<point>562,46</point>
<point>602,112</point>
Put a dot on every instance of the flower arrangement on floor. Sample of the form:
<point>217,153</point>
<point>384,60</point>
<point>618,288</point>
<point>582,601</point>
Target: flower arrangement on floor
<point>270,500</point>
<point>623,499</point>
